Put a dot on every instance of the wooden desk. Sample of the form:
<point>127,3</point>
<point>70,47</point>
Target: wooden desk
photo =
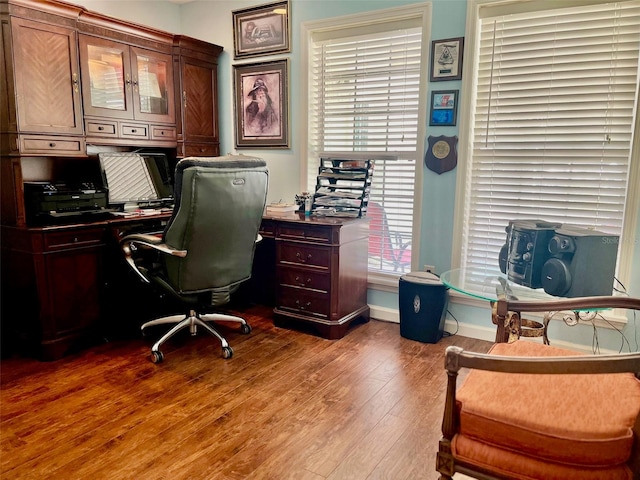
<point>63,283</point>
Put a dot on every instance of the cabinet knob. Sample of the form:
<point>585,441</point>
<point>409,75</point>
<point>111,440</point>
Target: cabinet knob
<point>301,282</point>
<point>302,259</point>
<point>52,144</point>
<point>302,306</point>
<point>100,128</point>
<point>133,130</point>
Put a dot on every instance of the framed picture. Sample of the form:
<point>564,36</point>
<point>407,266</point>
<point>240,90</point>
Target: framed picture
<point>444,108</point>
<point>262,104</point>
<point>261,30</point>
<point>446,59</point>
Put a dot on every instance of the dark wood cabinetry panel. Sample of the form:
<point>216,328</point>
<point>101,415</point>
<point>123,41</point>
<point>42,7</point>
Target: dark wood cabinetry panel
<point>72,77</point>
<point>196,67</point>
<point>42,92</point>
<point>321,270</point>
<point>52,284</point>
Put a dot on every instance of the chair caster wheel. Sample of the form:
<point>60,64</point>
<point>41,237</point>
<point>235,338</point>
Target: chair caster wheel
<point>246,329</point>
<point>157,356</point>
<point>227,352</point>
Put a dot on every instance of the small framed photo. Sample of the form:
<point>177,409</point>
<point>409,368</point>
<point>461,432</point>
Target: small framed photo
<point>262,104</point>
<point>444,108</point>
<point>446,59</point>
<point>261,30</point>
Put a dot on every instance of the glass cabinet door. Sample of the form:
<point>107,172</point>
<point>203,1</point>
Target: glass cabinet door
<point>106,77</point>
<point>153,86</point>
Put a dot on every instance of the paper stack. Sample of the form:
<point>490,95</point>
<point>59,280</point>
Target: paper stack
<point>281,208</point>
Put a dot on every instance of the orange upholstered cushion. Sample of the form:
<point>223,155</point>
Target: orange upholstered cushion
<point>569,419</point>
<point>523,467</point>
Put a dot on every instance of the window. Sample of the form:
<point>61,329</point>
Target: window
<point>550,122</point>
<point>366,99</point>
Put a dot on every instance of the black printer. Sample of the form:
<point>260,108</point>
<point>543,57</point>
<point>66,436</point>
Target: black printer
<point>46,201</point>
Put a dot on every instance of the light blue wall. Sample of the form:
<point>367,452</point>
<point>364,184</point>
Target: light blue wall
<point>212,21</point>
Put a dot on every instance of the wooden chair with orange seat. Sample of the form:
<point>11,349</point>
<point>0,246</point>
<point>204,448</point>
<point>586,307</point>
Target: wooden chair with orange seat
<point>527,410</point>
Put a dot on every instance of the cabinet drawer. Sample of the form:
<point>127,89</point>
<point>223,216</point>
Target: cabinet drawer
<point>69,239</point>
<point>39,145</point>
<point>268,228</point>
<point>201,149</point>
<point>304,255</point>
<point>162,133</point>
<point>101,129</point>
<point>293,277</point>
<point>304,301</point>
<point>134,130</point>
<point>304,232</point>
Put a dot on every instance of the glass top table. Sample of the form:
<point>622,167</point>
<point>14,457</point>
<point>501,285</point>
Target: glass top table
<point>490,284</point>
<point>485,284</point>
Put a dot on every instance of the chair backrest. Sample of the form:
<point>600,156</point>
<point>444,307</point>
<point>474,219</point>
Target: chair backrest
<point>379,236</point>
<point>219,203</point>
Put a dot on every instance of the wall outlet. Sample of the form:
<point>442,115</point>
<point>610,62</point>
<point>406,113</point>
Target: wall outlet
<point>430,268</point>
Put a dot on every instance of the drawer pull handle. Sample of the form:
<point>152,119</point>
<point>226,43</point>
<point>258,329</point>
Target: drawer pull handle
<point>133,130</point>
<point>100,128</point>
<point>52,144</point>
<point>303,260</point>
<point>75,239</point>
<point>301,282</point>
<point>302,306</point>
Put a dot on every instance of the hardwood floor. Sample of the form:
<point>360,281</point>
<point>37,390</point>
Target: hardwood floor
<point>287,405</point>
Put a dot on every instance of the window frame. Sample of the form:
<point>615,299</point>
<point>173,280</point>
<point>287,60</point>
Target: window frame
<point>632,203</point>
<point>380,281</point>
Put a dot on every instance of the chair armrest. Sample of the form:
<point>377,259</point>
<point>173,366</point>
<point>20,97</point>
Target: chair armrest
<point>133,242</point>
<point>456,358</point>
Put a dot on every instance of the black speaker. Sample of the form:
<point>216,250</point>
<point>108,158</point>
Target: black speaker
<point>423,302</point>
<point>581,263</point>
<point>525,251</point>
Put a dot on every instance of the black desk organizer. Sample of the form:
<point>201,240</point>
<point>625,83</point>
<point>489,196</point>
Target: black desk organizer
<point>342,188</point>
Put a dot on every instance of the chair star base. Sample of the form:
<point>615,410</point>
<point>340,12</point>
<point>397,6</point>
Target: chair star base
<point>192,320</point>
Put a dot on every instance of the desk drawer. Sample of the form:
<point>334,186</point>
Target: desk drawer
<point>294,277</point>
<point>268,228</point>
<point>134,130</point>
<point>304,232</point>
<point>162,133</point>
<point>200,150</point>
<point>306,302</point>
<point>101,128</point>
<point>69,239</point>
<point>290,253</point>
<point>39,145</point>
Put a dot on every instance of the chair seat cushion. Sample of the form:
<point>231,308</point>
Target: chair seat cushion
<point>522,467</point>
<point>568,419</point>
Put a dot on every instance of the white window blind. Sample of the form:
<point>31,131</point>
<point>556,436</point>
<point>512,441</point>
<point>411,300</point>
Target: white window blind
<point>364,99</point>
<point>552,120</point>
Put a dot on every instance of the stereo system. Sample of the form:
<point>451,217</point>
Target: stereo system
<point>565,260</point>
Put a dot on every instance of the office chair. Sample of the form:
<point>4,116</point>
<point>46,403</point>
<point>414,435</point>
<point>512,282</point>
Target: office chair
<point>208,245</point>
<point>528,410</point>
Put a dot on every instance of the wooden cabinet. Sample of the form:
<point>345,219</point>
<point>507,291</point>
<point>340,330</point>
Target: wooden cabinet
<point>128,93</point>
<point>321,270</point>
<point>196,68</point>
<point>52,284</point>
<point>42,112</point>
